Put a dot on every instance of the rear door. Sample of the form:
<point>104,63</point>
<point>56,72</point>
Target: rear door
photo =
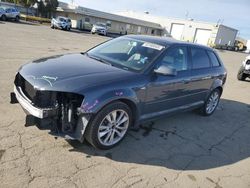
<point>202,72</point>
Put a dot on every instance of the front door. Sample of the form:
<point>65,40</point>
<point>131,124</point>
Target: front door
<point>168,92</point>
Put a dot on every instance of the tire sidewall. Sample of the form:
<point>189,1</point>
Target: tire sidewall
<point>92,129</point>
<point>204,111</point>
<point>241,76</point>
<point>17,19</point>
<point>4,18</point>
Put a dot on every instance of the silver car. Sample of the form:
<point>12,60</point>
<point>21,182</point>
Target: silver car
<point>99,28</point>
<point>61,23</point>
<point>9,13</point>
<point>244,71</point>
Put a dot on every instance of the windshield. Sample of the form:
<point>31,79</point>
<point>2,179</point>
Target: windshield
<point>100,25</point>
<point>61,19</point>
<point>127,53</point>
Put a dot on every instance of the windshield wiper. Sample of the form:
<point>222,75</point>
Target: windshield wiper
<point>98,59</point>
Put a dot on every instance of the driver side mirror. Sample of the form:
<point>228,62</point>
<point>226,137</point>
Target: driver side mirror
<point>165,70</point>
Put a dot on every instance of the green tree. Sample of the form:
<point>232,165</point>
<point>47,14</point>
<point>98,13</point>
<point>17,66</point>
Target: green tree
<point>47,7</point>
<point>26,3</point>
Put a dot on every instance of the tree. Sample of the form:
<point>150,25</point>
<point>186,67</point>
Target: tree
<point>47,7</point>
<point>26,3</point>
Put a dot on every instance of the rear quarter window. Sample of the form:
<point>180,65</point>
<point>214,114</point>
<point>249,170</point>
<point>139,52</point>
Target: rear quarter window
<point>214,60</point>
<point>200,58</point>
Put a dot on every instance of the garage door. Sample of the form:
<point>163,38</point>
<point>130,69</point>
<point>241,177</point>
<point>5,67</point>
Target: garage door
<point>202,36</point>
<point>177,31</point>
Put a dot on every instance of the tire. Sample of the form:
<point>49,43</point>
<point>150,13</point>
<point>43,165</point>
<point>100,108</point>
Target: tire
<point>4,18</point>
<point>52,26</point>
<point>236,48</point>
<point>212,101</point>
<point>104,120</point>
<point>241,76</point>
<point>17,18</point>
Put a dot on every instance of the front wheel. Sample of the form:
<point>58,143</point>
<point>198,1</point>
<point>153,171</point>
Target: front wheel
<point>211,103</point>
<point>241,76</point>
<point>4,18</point>
<point>109,126</point>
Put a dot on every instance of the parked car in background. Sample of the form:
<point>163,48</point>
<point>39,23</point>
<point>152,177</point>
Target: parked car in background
<point>9,13</point>
<point>61,23</point>
<point>99,94</point>
<point>1,12</point>
<point>99,28</point>
<point>244,71</point>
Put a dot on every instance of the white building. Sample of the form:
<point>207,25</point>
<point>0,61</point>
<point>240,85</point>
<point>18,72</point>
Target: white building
<point>189,30</point>
<point>84,18</point>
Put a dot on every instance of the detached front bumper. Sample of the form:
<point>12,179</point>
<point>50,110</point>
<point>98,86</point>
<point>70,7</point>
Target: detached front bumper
<point>29,108</point>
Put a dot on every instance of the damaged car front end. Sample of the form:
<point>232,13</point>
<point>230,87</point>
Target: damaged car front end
<point>56,111</point>
<point>62,93</point>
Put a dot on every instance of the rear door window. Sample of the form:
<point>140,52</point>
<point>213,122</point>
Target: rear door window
<point>200,58</point>
<point>214,60</point>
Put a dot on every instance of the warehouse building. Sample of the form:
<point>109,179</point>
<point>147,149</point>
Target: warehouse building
<point>84,18</point>
<point>211,34</point>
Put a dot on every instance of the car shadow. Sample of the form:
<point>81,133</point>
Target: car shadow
<point>23,22</point>
<point>186,141</point>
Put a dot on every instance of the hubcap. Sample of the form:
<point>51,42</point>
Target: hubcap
<point>113,127</point>
<point>212,102</point>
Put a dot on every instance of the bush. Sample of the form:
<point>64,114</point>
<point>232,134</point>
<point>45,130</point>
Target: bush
<point>35,19</point>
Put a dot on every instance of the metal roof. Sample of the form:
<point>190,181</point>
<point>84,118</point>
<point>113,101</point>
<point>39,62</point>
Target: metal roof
<point>112,17</point>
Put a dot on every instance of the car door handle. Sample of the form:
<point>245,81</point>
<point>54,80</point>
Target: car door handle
<point>186,81</point>
<point>207,77</point>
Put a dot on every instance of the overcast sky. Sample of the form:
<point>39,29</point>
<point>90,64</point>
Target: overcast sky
<point>235,13</point>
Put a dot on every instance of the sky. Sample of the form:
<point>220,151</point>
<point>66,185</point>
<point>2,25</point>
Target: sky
<point>233,13</point>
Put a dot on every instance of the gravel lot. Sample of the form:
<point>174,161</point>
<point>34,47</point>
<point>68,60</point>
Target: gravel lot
<point>186,150</point>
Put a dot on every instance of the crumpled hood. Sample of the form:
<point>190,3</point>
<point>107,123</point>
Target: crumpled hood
<point>70,73</point>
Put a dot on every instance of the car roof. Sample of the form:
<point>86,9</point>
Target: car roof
<point>165,41</point>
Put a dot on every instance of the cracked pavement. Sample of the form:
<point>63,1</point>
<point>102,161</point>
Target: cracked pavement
<point>185,150</point>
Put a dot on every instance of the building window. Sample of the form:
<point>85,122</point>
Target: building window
<point>139,29</point>
<point>108,23</point>
<point>87,19</point>
<point>127,26</point>
<point>153,32</point>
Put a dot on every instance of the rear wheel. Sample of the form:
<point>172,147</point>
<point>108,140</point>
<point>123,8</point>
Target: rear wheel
<point>109,126</point>
<point>4,18</point>
<point>241,76</point>
<point>17,18</point>
<point>211,103</point>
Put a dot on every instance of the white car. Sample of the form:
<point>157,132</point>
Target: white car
<point>9,13</point>
<point>61,23</point>
<point>99,28</point>
<point>244,71</point>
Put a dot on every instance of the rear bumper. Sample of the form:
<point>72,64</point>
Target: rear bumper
<point>29,108</point>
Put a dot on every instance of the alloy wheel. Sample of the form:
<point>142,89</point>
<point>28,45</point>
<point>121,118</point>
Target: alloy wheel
<point>113,127</point>
<point>212,102</point>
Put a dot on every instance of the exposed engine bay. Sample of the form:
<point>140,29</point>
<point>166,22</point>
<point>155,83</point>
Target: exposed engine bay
<point>56,111</point>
